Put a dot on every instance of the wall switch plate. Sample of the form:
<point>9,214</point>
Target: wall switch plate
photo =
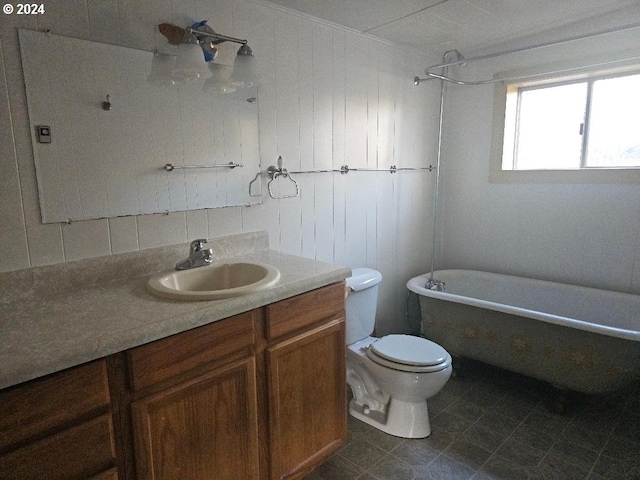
<point>43,132</point>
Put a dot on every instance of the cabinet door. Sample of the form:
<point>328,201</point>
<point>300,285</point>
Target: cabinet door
<point>307,399</point>
<point>202,429</point>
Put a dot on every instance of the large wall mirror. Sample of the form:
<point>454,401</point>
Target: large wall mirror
<point>102,162</point>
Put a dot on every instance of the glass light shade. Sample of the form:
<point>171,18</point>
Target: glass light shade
<point>245,71</point>
<point>190,62</point>
<point>162,67</point>
<point>219,81</point>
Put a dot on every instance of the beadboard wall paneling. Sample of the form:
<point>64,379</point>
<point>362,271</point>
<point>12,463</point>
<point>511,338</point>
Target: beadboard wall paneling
<point>328,97</point>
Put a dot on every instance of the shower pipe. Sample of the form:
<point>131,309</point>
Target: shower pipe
<point>433,284</point>
<point>460,60</point>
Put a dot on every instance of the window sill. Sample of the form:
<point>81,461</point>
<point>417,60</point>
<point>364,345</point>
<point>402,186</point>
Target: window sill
<point>609,175</point>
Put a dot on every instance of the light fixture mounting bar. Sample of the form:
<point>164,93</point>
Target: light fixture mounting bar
<point>218,38</point>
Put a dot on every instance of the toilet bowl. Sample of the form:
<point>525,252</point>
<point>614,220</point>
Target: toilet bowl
<point>393,376</point>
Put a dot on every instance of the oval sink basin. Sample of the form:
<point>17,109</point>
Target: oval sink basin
<point>215,281</point>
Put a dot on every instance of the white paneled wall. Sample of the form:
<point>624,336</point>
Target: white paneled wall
<point>579,233</point>
<point>327,97</point>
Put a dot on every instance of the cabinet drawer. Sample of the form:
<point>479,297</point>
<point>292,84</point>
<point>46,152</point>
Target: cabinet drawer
<point>31,409</point>
<point>326,303</point>
<point>77,452</point>
<point>161,360</point>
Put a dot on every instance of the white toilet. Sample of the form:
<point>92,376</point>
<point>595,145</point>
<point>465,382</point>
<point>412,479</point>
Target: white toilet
<point>391,377</point>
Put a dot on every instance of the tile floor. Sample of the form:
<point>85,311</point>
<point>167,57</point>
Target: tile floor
<point>491,424</point>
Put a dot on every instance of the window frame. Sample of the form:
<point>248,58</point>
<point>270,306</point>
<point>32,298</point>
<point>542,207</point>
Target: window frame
<point>506,117</point>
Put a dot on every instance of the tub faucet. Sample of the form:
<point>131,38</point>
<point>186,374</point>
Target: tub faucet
<point>198,256</point>
<point>435,285</point>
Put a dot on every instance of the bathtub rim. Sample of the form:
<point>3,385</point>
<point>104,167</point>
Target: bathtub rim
<point>416,285</point>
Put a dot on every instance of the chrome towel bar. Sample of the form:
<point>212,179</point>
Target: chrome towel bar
<point>169,167</point>
<point>279,171</point>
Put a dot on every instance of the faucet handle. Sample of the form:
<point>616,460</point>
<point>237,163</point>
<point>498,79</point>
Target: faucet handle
<point>197,245</point>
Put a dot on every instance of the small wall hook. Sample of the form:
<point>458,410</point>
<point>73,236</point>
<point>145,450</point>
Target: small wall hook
<point>106,105</point>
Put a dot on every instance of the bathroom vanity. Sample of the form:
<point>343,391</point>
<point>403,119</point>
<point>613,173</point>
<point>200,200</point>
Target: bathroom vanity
<point>258,394</point>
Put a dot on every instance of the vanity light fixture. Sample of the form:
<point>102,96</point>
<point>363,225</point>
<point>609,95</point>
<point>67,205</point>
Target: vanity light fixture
<point>197,50</point>
<point>162,67</point>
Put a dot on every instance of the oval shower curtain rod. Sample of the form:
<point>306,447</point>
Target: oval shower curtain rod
<point>461,60</point>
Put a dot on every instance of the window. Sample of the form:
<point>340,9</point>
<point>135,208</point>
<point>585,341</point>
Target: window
<point>573,124</point>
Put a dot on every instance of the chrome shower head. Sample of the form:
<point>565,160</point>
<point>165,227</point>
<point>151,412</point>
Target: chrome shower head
<point>418,80</point>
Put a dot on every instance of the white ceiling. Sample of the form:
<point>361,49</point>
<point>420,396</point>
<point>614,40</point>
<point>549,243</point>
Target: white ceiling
<point>438,25</point>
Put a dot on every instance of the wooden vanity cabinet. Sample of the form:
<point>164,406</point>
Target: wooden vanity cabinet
<point>194,408</point>
<point>306,380</point>
<point>59,427</point>
<point>261,395</point>
<point>257,396</point>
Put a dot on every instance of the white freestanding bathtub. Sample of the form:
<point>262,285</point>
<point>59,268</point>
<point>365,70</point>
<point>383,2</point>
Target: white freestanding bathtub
<point>578,338</point>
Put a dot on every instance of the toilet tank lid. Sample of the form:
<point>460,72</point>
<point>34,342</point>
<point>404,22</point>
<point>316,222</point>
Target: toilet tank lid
<point>363,278</point>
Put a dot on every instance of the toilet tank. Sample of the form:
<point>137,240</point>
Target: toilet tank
<point>362,300</point>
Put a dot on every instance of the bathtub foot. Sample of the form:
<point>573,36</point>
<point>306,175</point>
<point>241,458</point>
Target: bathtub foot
<point>457,364</point>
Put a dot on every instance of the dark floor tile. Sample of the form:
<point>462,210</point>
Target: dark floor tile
<point>481,397</point>
<point>499,468</point>
<point>616,468</point>
<point>444,468</point>
<point>484,437</point>
<point>382,440</point>
<point>315,475</point>
<point>456,388</point>
<point>632,403</point>
<point>628,449</point>
<point>363,454</point>
<point>497,423</point>
<point>628,426</point>
<point>465,409</point>
<point>556,469</point>
<point>439,402</point>
<point>357,426</point>
<point>337,468</point>
<point>366,476</point>
<point>415,453</point>
<point>574,454</point>
<point>450,422</point>
<point>603,424</point>
<point>481,476</point>
<point>595,476</point>
<point>548,422</point>
<point>520,453</point>
<point>593,439</point>
<point>602,406</point>
<point>390,468</point>
<point>439,438</point>
<point>533,437</point>
<point>468,453</point>
<point>513,408</point>
<point>490,410</point>
<point>422,473</point>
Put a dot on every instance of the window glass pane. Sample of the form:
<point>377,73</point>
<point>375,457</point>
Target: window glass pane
<point>548,133</point>
<point>614,132</point>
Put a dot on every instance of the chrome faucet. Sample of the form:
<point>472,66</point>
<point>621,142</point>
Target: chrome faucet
<point>198,256</point>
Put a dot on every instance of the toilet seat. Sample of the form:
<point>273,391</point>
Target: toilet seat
<point>409,354</point>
